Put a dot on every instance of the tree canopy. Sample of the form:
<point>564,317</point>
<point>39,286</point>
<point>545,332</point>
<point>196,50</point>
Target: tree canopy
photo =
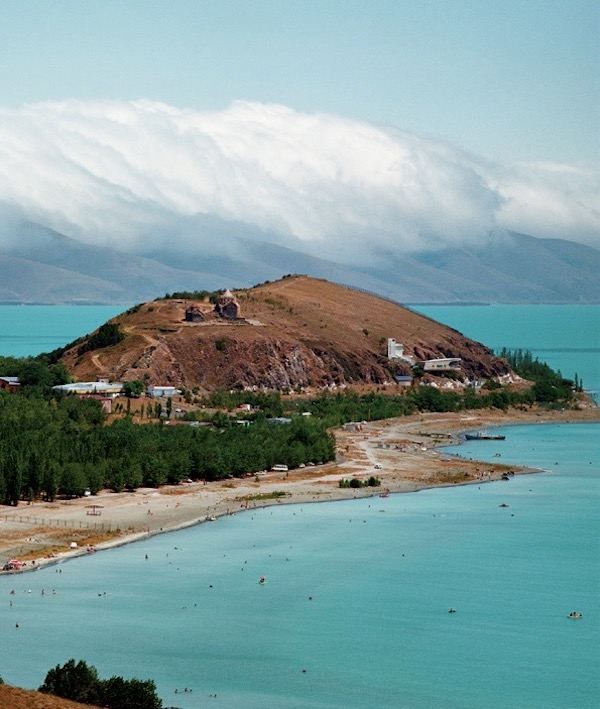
<point>51,446</point>
<point>80,682</point>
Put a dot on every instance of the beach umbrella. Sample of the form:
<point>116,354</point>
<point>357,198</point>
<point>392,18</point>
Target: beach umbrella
<point>96,510</point>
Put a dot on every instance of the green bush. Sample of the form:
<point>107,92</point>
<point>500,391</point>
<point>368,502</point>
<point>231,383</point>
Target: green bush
<point>133,389</point>
<point>356,482</point>
<point>80,683</point>
<point>107,335</point>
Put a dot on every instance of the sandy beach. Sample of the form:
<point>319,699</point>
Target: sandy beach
<point>403,453</point>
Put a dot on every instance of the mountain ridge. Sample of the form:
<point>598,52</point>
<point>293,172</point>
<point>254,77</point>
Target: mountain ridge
<point>39,264</point>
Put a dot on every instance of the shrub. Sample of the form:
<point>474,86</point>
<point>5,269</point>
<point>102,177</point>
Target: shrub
<point>80,682</point>
<point>107,335</point>
<point>356,482</point>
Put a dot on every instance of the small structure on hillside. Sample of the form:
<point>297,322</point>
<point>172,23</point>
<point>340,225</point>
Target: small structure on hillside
<point>161,391</point>
<point>353,426</point>
<point>442,364</point>
<point>227,306</point>
<point>10,383</point>
<point>108,389</point>
<point>193,314</point>
<point>395,350</point>
<point>105,401</point>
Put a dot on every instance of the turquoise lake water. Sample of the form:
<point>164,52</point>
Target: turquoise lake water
<point>381,573</point>
<point>31,329</point>
<point>567,337</point>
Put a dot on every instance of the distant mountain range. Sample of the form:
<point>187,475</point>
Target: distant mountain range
<point>44,266</point>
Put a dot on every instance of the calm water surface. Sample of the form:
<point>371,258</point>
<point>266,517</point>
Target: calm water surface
<point>567,337</point>
<point>31,329</point>
<point>382,574</point>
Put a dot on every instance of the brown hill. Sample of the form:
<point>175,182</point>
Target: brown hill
<point>15,698</point>
<point>295,332</point>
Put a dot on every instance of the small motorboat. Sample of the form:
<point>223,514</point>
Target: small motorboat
<point>483,436</point>
<point>575,615</point>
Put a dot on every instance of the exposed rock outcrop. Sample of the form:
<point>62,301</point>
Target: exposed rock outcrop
<point>296,332</point>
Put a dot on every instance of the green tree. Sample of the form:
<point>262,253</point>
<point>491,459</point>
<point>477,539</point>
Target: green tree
<point>131,474</point>
<point>50,477</point>
<point>133,389</point>
<point>94,475</point>
<point>80,682</point>
<point>76,681</point>
<point>72,480</point>
<point>119,693</point>
<point>114,477</point>
<point>107,335</point>
<point>13,476</point>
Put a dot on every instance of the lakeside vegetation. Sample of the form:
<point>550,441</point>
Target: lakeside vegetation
<point>62,447</point>
<point>548,385</point>
<point>356,482</point>
<point>80,682</point>
<point>52,446</point>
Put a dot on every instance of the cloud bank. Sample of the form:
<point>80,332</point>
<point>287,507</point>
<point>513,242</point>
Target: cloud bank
<point>139,174</point>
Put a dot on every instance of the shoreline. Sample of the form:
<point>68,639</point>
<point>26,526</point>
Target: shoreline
<point>404,453</point>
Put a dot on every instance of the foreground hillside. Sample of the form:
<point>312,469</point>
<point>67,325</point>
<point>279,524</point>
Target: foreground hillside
<point>295,332</point>
<point>16,698</point>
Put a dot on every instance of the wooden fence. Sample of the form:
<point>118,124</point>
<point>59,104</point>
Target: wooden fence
<point>66,523</point>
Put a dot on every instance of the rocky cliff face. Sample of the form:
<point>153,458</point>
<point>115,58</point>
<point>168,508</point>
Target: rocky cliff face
<point>296,332</point>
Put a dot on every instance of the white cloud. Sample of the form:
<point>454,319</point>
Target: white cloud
<point>550,200</point>
<point>127,173</point>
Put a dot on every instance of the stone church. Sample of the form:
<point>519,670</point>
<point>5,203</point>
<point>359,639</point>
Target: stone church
<point>227,306</point>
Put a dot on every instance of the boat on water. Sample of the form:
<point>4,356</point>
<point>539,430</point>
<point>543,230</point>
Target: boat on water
<point>483,436</point>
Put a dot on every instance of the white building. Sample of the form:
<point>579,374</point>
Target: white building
<point>111,389</point>
<point>161,391</point>
<point>395,350</point>
<point>442,364</point>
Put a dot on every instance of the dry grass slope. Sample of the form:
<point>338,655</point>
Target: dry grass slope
<point>15,698</point>
<point>298,331</point>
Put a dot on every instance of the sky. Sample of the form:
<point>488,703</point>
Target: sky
<point>403,125</point>
<point>512,80</point>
